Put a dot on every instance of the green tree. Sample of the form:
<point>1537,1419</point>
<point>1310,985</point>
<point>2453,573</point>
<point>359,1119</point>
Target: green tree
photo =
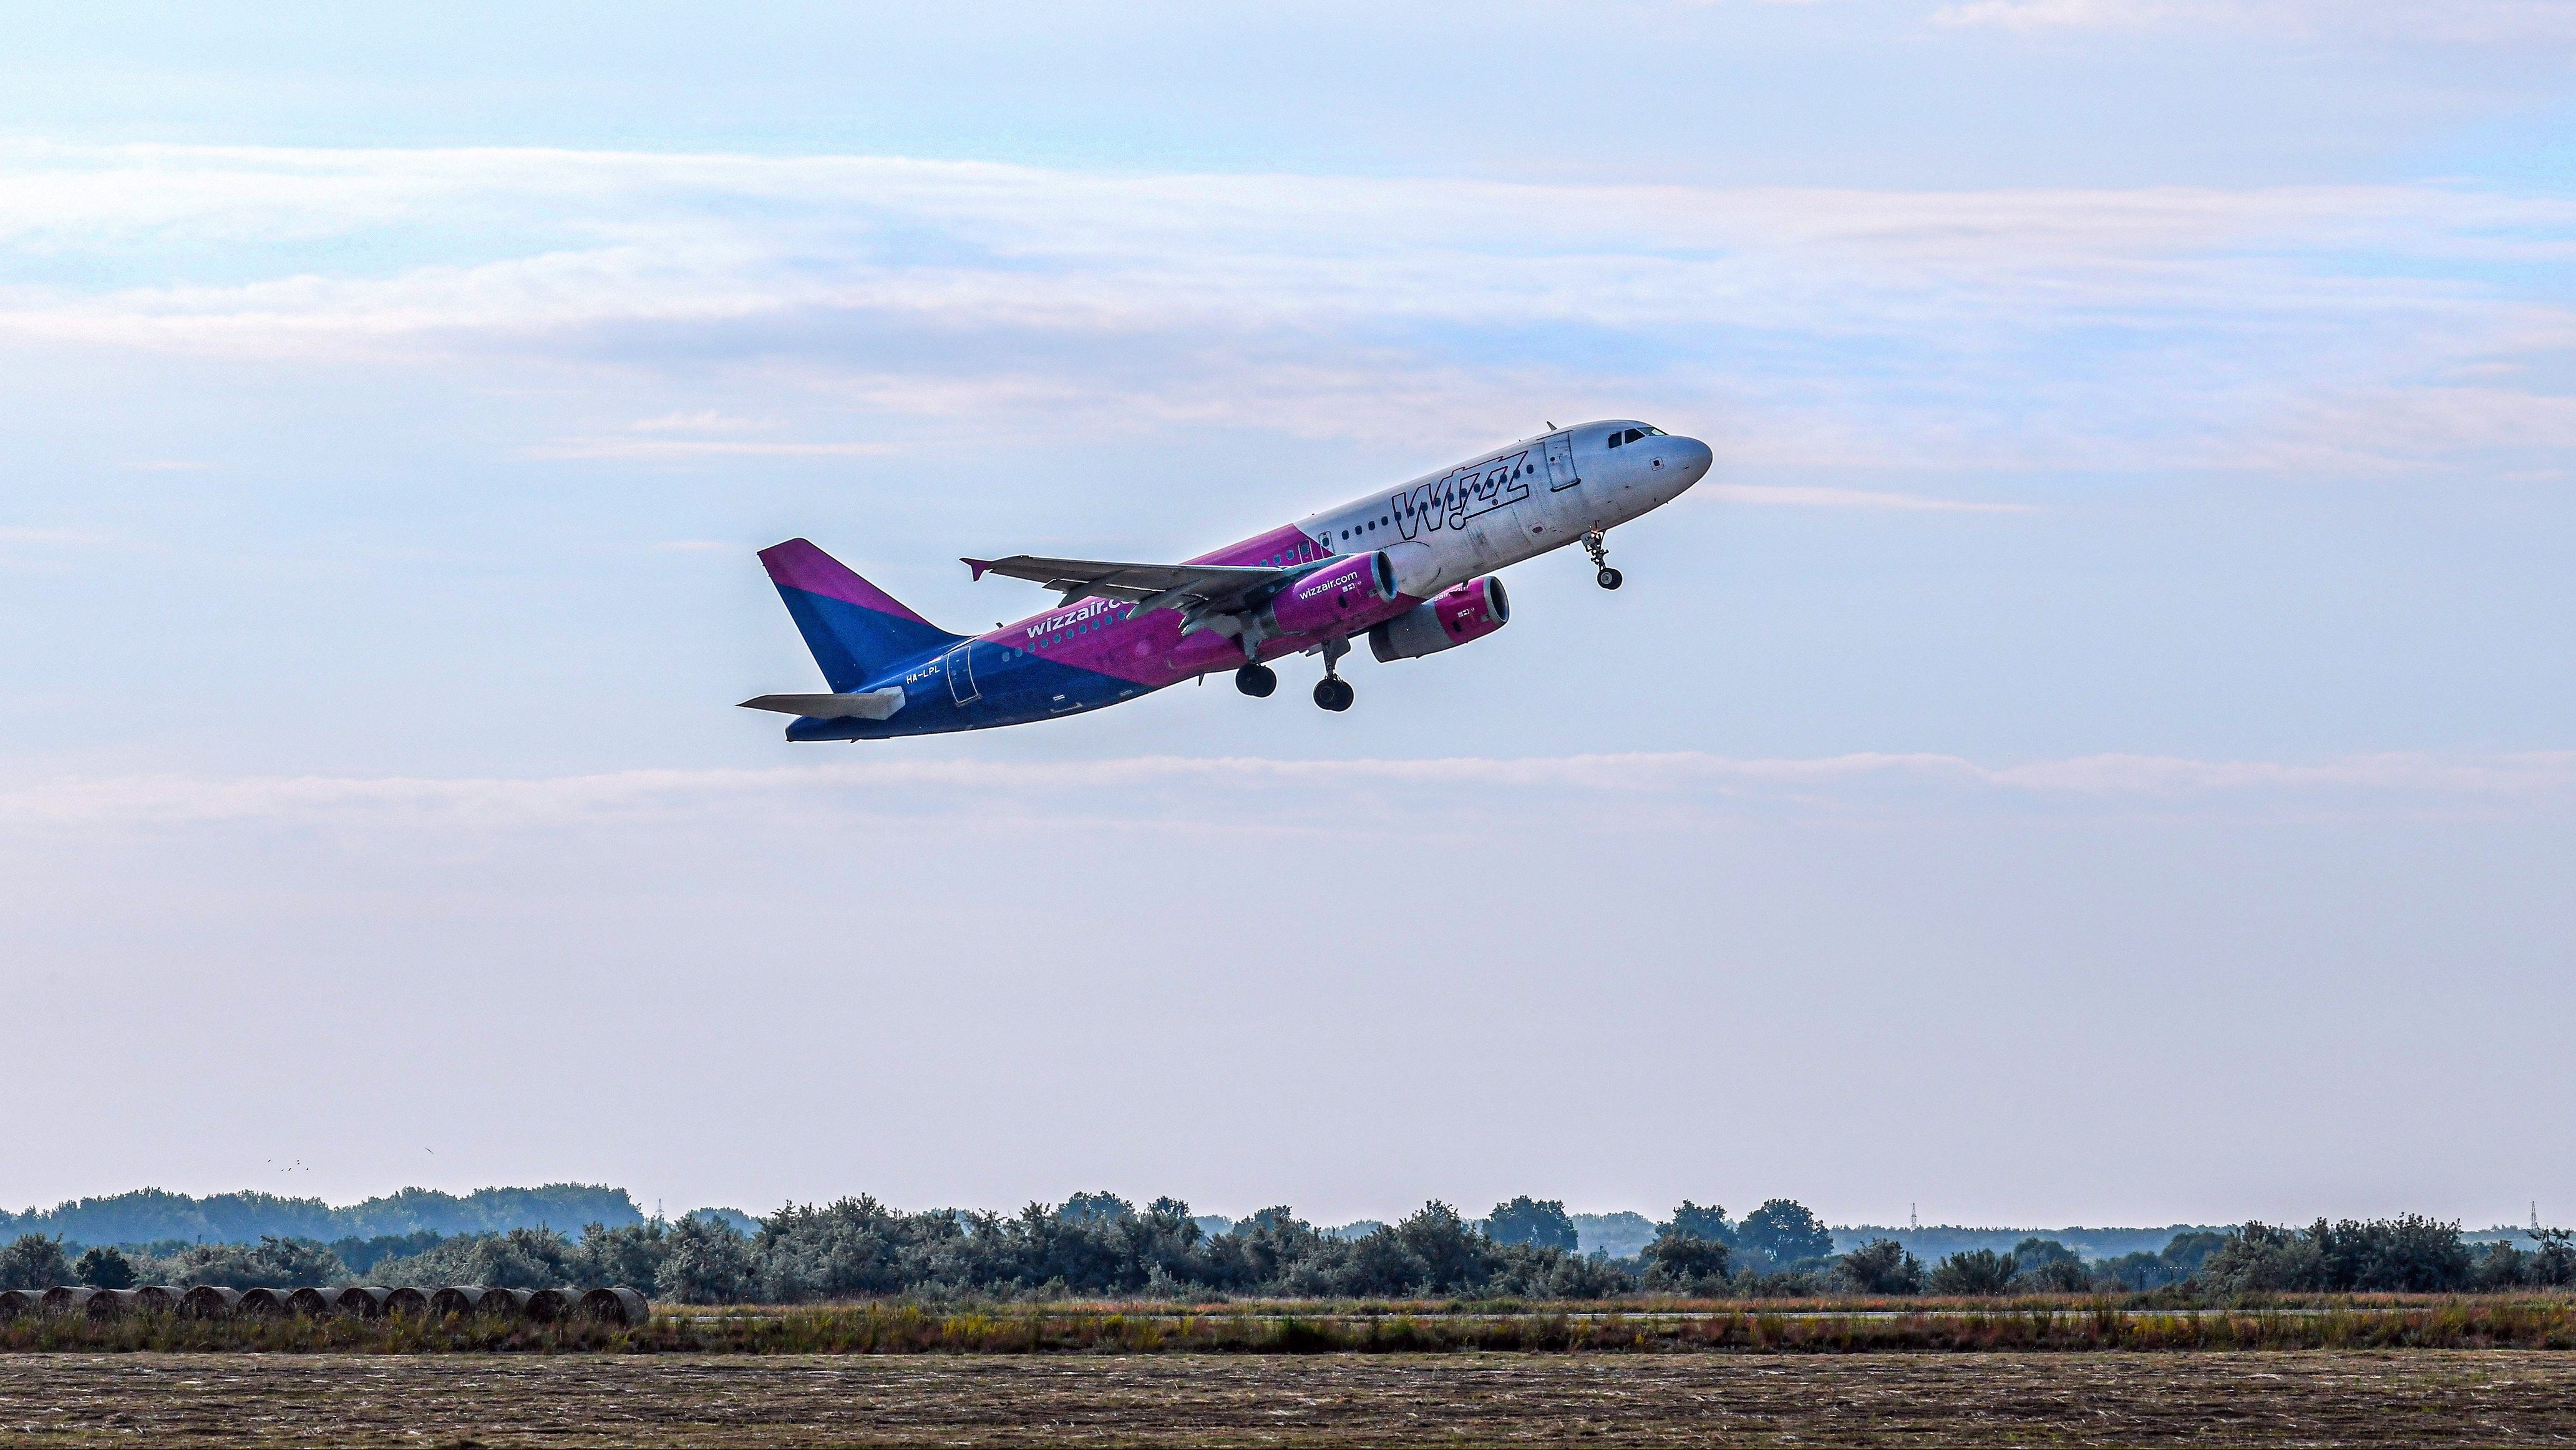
<point>1690,1221</point>
<point>104,1268</point>
<point>1525,1220</point>
<point>2045,1266</point>
<point>2554,1262</point>
<point>708,1262</point>
<point>34,1261</point>
<point>1786,1231</point>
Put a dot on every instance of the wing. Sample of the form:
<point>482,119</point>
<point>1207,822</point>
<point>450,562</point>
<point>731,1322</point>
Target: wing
<point>1157,586</point>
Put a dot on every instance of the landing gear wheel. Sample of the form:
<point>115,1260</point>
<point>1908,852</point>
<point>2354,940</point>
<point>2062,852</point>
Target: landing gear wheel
<point>1609,578</point>
<point>1256,680</point>
<point>1335,694</point>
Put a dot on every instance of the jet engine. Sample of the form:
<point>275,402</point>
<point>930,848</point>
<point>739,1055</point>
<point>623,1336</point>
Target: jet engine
<point>1471,611</point>
<point>1338,598</point>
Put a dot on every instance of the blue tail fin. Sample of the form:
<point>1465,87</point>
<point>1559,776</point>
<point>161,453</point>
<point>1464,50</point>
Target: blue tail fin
<point>855,629</point>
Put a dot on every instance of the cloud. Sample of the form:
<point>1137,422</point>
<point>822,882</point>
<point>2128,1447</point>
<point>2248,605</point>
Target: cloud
<point>1159,786</point>
<point>2470,22</point>
<point>1852,498</point>
<point>673,449</point>
<point>2014,329</point>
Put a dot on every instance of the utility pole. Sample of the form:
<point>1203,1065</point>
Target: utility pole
<point>1914,1221</point>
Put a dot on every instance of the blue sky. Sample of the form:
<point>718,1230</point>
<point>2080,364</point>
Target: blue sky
<point>2110,703</point>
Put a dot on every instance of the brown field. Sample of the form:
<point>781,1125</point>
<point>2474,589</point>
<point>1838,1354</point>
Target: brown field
<point>2417,1397</point>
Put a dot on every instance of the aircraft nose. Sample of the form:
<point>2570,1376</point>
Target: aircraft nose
<point>1696,457</point>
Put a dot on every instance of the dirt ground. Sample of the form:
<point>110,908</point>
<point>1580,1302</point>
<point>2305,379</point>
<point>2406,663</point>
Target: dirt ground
<point>2419,1397</point>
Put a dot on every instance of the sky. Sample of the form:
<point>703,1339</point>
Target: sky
<point>2100,747</point>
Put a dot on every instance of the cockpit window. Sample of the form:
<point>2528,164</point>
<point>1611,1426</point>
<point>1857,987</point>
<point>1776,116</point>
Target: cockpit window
<point>1618,438</point>
<point>1631,436</point>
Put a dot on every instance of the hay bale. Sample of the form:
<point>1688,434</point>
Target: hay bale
<point>622,1307</point>
<point>458,1299</point>
<point>210,1301</point>
<point>106,1304</point>
<point>262,1304</point>
<point>16,1302</point>
<point>156,1299</point>
<point>69,1298</point>
<point>553,1306</point>
<point>363,1302</point>
<point>504,1303</point>
<point>414,1302</point>
<point>311,1303</point>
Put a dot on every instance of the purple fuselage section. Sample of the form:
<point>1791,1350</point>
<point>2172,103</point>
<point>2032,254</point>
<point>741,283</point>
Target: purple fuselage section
<point>1096,652</point>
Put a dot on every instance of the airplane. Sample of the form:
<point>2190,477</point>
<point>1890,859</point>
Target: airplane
<point>1411,568</point>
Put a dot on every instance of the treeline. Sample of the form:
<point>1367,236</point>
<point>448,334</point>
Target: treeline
<point>152,1216</point>
<point>1098,1245</point>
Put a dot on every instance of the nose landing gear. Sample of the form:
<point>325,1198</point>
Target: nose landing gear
<point>1599,548</point>
<point>1332,691</point>
<point>1256,680</point>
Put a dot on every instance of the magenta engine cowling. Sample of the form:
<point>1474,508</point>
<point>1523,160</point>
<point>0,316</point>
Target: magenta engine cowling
<point>1471,611</point>
<point>1340,598</point>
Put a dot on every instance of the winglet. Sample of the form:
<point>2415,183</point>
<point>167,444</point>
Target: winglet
<point>979,566</point>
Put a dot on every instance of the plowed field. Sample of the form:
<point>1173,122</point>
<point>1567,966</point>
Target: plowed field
<point>2422,1397</point>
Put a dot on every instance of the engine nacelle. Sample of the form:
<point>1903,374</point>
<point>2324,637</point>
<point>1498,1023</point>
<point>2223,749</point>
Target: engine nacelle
<point>1471,611</point>
<point>1336,599</point>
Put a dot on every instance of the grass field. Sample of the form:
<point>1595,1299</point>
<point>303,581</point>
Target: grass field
<point>2421,1397</point>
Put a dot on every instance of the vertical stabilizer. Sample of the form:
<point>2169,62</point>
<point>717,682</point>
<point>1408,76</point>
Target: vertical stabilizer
<point>855,629</point>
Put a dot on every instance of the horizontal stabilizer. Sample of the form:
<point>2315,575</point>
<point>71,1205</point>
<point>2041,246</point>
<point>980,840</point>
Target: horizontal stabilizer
<point>874,705</point>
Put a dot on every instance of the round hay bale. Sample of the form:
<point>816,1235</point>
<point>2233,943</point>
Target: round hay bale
<point>457,1299</point>
<point>69,1298</point>
<point>105,1304</point>
<point>553,1306</point>
<point>156,1299</point>
<point>622,1307</point>
<point>209,1301</point>
<point>414,1302</point>
<point>311,1303</point>
<point>504,1303</point>
<point>15,1302</point>
<point>363,1302</point>
<point>262,1304</point>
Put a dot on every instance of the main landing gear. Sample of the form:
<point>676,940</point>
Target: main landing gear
<point>1332,691</point>
<point>1256,680</point>
<point>1599,548</point>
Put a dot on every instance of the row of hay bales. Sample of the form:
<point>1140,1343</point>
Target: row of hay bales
<point>206,1301</point>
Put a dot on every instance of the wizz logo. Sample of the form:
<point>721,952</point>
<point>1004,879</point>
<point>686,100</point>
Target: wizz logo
<point>1465,493</point>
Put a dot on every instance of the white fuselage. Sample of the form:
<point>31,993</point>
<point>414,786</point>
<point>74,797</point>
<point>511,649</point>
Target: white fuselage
<point>1513,503</point>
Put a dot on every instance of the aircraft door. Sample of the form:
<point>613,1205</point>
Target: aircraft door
<point>960,669</point>
<point>1560,461</point>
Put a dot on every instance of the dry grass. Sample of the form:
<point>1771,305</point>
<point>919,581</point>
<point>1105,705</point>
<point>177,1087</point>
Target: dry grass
<point>1239,1330</point>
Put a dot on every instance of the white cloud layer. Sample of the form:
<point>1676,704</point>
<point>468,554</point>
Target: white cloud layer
<point>1158,786</point>
<point>2267,328</point>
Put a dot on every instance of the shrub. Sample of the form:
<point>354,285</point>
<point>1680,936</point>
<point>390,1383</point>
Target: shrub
<point>1881,1266</point>
<point>1977,1271</point>
<point>1684,1264</point>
